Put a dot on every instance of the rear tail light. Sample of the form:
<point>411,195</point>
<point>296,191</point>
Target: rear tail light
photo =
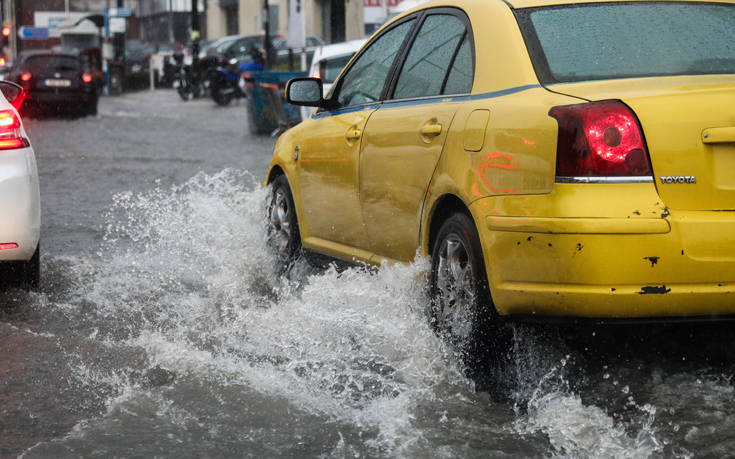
<point>86,77</point>
<point>10,134</point>
<point>599,139</point>
<point>8,245</point>
<point>25,76</point>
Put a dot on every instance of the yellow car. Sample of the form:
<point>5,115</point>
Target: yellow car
<point>552,158</point>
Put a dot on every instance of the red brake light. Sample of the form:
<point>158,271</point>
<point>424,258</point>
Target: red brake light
<point>8,121</point>
<point>599,139</point>
<point>26,76</point>
<point>9,245</point>
<point>87,78</point>
<point>10,135</point>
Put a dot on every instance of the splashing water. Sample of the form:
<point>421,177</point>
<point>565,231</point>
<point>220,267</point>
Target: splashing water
<point>221,355</point>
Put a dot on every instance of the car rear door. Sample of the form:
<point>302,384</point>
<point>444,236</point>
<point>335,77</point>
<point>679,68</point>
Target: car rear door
<point>404,138</point>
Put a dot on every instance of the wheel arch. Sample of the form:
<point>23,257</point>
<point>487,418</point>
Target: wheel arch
<point>443,208</point>
<point>274,172</point>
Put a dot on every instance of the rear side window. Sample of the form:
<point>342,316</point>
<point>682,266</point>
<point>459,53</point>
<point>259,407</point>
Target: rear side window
<point>51,64</point>
<point>623,40</point>
<point>459,80</point>
<point>430,57</point>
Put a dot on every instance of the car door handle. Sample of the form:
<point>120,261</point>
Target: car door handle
<point>431,129</point>
<point>719,135</point>
<point>353,134</point>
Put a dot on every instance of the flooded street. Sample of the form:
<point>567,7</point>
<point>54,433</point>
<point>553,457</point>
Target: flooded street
<point>163,330</point>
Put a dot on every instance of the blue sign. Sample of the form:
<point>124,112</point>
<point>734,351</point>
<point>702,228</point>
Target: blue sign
<point>121,12</point>
<point>33,33</point>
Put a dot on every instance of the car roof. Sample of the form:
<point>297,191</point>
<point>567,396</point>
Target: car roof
<point>535,3</point>
<point>44,52</point>
<point>529,3</point>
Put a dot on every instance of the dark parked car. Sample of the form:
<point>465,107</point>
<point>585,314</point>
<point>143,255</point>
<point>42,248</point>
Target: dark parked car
<point>136,58</point>
<point>241,48</point>
<point>55,82</point>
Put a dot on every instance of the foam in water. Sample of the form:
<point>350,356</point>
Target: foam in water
<point>574,429</point>
<point>187,277</point>
<point>184,274</point>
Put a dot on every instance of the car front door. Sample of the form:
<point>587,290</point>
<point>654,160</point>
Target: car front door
<point>329,155</point>
<point>405,136</point>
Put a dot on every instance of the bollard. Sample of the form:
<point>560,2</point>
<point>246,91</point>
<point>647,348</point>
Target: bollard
<point>150,74</point>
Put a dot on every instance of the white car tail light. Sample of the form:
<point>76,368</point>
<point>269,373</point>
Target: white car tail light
<point>10,133</point>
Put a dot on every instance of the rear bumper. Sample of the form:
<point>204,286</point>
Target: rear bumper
<point>61,97</point>
<point>19,204</point>
<point>651,264</point>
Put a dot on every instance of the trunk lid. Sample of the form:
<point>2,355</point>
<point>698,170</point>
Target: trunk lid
<point>55,72</point>
<point>689,126</point>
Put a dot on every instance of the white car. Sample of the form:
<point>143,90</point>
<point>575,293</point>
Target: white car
<point>20,201</point>
<point>327,64</point>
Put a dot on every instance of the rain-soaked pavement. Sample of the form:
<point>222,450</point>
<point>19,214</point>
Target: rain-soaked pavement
<point>161,329</point>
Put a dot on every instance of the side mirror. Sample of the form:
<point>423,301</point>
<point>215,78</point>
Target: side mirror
<point>13,93</point>
<point>305,91</point>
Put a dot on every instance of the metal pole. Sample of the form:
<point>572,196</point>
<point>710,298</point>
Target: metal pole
<point>17,11</point>
<point>195,38</point>
<point>267,38</point>
<point>151,77</point>
<point>303,35</point>
<point>171,21</point>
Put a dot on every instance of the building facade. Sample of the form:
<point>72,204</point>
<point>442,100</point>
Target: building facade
<point>56,15</point>
<point>332,20</point>
<point>168,21</point>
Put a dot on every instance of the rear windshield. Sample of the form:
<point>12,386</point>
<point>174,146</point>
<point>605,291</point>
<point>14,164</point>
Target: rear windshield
<point>331,68</point>
<point>624,40</point>
<point>46,64</point>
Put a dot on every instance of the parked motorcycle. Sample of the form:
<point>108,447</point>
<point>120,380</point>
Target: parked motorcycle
<point>188,84</point>
<point>225,80</point>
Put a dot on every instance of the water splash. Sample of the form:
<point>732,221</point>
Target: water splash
<point>216,344</point>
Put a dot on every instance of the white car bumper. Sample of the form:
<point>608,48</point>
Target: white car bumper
<point>20,210</point>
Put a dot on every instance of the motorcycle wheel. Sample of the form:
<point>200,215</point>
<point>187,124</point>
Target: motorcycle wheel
<point>184,92</point>
<point>222,98</point>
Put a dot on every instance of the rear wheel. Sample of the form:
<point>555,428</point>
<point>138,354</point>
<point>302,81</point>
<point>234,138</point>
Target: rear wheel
<point>23,274</point>
<point>461,309</point>
<point>91,108</point>
<point>221,94</point>
<point>282,226</point>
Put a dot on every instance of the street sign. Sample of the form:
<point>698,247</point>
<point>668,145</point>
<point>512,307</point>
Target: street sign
<point>117,25</point>
<point>121,12</point>
<point>33,33</point>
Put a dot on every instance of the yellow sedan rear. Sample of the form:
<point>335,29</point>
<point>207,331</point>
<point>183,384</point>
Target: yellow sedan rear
<point>552,158</point>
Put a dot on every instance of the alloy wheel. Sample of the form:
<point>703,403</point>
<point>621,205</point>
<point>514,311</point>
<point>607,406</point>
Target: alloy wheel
<point>280,223</point>
<point>455,284</point>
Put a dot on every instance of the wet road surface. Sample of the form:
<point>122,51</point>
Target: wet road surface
<point>162,330</point>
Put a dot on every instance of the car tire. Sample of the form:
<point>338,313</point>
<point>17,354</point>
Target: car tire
<point>462,311</point>
<point>92,107</point>
<point>23,274</point>
<point>283,234</point>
